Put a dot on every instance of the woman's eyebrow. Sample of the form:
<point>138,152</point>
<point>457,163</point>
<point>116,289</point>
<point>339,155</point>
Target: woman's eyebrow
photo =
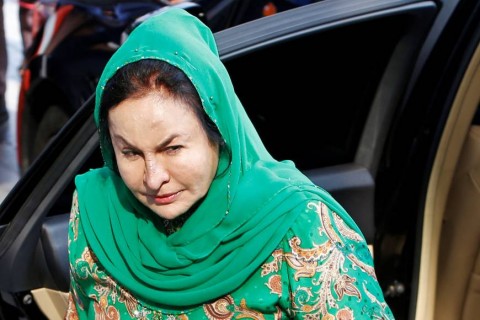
<point>165,142</point>
<point>121,139</point>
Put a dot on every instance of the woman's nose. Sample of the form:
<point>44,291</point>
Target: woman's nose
<point>155,174</point>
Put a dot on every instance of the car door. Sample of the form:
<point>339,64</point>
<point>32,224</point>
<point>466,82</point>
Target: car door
<point>324,84</point>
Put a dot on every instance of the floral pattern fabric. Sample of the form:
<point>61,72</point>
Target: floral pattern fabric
<point>321,270</point>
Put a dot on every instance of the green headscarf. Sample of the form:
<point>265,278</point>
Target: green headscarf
<point>242,219</point>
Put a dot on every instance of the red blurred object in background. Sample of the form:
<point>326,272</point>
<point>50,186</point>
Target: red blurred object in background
<point>269,9</point>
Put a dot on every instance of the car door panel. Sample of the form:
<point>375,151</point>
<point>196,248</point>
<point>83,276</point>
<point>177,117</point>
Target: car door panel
<point>54,241</point>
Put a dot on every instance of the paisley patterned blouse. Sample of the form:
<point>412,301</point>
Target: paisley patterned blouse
<point>321,270</point>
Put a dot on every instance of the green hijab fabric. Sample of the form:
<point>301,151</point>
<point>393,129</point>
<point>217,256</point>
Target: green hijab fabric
<point>248,209</point>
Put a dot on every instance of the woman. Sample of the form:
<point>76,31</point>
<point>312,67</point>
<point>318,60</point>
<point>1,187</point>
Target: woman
<point>191,218</point>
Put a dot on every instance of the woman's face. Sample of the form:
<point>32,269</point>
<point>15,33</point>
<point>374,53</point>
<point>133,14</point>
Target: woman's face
<point>162,152</point>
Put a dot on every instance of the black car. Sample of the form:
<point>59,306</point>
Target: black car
<point>375,100</point>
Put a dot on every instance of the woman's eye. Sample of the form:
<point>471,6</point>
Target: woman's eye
<point>173,149</point>
<point>129,153</point>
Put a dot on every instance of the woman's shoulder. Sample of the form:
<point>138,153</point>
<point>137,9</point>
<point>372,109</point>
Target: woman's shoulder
<point>322,220</point>
<point>325,252</point>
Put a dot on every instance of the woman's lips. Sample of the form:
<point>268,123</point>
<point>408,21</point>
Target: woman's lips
<point>165,198</point>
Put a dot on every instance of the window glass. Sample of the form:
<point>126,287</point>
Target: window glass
<point>309,98</point>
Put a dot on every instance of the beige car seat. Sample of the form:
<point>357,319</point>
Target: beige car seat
<point>458,282</point>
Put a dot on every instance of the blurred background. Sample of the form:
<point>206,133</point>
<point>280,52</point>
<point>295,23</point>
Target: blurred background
<point>9,171</point>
